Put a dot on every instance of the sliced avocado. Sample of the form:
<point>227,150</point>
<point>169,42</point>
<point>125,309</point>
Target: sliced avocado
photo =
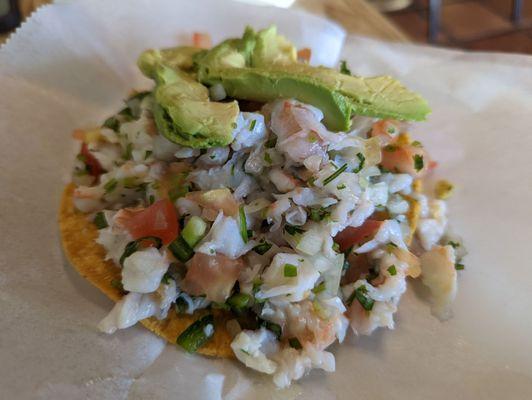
<point>336,94</point>
<point>271,48</point>
<point>184,114</point>
<point>180,57</point>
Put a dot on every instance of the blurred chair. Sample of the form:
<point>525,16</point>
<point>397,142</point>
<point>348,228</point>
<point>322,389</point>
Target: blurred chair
<point>435,17</point>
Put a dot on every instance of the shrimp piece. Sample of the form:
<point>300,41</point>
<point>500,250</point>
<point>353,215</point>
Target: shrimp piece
<point>406,159</point>
<point>202,40</point>
<point>304,55</point>
<point>386,130</point>
<point>212,276</point>
<point>88,198</point>
<point>216,199</point>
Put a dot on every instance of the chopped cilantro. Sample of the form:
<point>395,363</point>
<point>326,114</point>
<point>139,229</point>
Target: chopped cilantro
<point>459,266</point>
<point>392,270</point>
<point>417,143</point>
<point>166,278</point>
<point>112,123</point>
<point>454,245</point>
<point>362,160</point>
<point>295,343</point>
<point>271,143</point>
<point>318,289</point>
<point>271,326</point>
<point>290,270</point>
<point>360,294</point>
<point>268,158</point>
<point>110,185</point>
<point>344,68</point>
<point>243,224</point>
<point>262,247</point>
<point>292,230</point>
<point>318,214</point>
<point>341,186</point>
<point>100,221</point>
<point>128,151</point>
<point>418,162</point>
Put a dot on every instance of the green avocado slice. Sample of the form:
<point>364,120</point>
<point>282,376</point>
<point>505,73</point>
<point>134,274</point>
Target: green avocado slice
<point>336,94</point>
<point>184,114</point>
<point>180,57</point>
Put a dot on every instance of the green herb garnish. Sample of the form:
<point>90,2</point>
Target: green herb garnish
<point>295,343</point>
<point>110,185</point>
<point>360,294</point>
<point>362,160</point>
<point>334,175</point>
<point>147,154</point>
<point>318,214</point>
<point>271,326</point>
<point>243,224</point>
<point>344,69</point>
<point>197,334</point>
<point>262,247</point>
<point>268,158</point>
<point>239,300</point>
<point>252,124</point>
<point>459,266</point>
<point>128,152</point>
<point>100,221</point>
<point>318,289</point>
<point>134,246</point>
<point>392,270</point>
<point>418,162</point>
<point>112,123</point>
<point>293,230</point>
<point>341,186</point>
<point>454,245</point>
<point>271,143</point>
<point>417,143</point>
<point>180,249</point>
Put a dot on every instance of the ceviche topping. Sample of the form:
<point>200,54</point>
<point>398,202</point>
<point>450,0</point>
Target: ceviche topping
<point>287,195</point>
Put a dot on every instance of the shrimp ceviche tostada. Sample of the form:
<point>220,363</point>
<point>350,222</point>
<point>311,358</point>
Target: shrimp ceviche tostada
<point>254,206</point>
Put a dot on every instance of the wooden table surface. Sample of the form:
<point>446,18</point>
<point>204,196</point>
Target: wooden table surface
<point>356,16</point>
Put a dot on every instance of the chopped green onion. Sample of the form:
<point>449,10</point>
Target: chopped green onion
<point>197,334</point>
<point>262,247</point>
<point>418,162</point>
<point>318,214</point>
<point>243,224</point>
<point>181,305</point>
<point>194,231</point>
<point>110,185</point>
<point>336,247</point>
<point>343,68</point>
<point>112,123</point>
<point>232,169</point>
<point>271,143</point>
<point>128,151</point>
<point>100,221</point>
<point>341,186</point>
<point>392,270</point>
<point>127,113</point>
<point>271,326</point>
<point>268,158</point>
<point>166,278</point>
<point>362,160</point>
<point>311,181</point>
<point>290,270</point>
<point>318,289</point>
<point>360,294</point>
<point>292,230</point>
<point>239,300</point>
<point>295,343</point>
<point>117,284</point>
<point>134,246</point>
<point>334,175</point>
<point>180,249</point>
<point>459,266</point>
<point>252,125</point>
<point>454,245</point>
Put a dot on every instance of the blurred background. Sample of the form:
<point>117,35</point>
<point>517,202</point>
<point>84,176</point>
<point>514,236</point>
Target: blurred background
<point>483,25</point>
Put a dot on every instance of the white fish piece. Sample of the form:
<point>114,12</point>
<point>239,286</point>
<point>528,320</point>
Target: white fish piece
<point>113,241</point>
<point>187,207</point>
<point>438,273</point>
<point>252,348</point>
<point>224,237</point>
<point>250,131</point>
<point>130,309</point>
<point>143,270</point>
<point>282,181</point>
<point>430,230</point>
<point>214,156</point>
<point>277,285</point>
<point>397,182</point>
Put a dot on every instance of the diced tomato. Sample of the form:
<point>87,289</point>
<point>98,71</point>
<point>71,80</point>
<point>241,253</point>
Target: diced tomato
<point>304,54</point>
<point>202,40</point>
<point>351,236</point>
<point>159,220</point>
<point>386,130</point>
<point>402,159</point>
<point>212,276</point>
<point>93,165</point>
